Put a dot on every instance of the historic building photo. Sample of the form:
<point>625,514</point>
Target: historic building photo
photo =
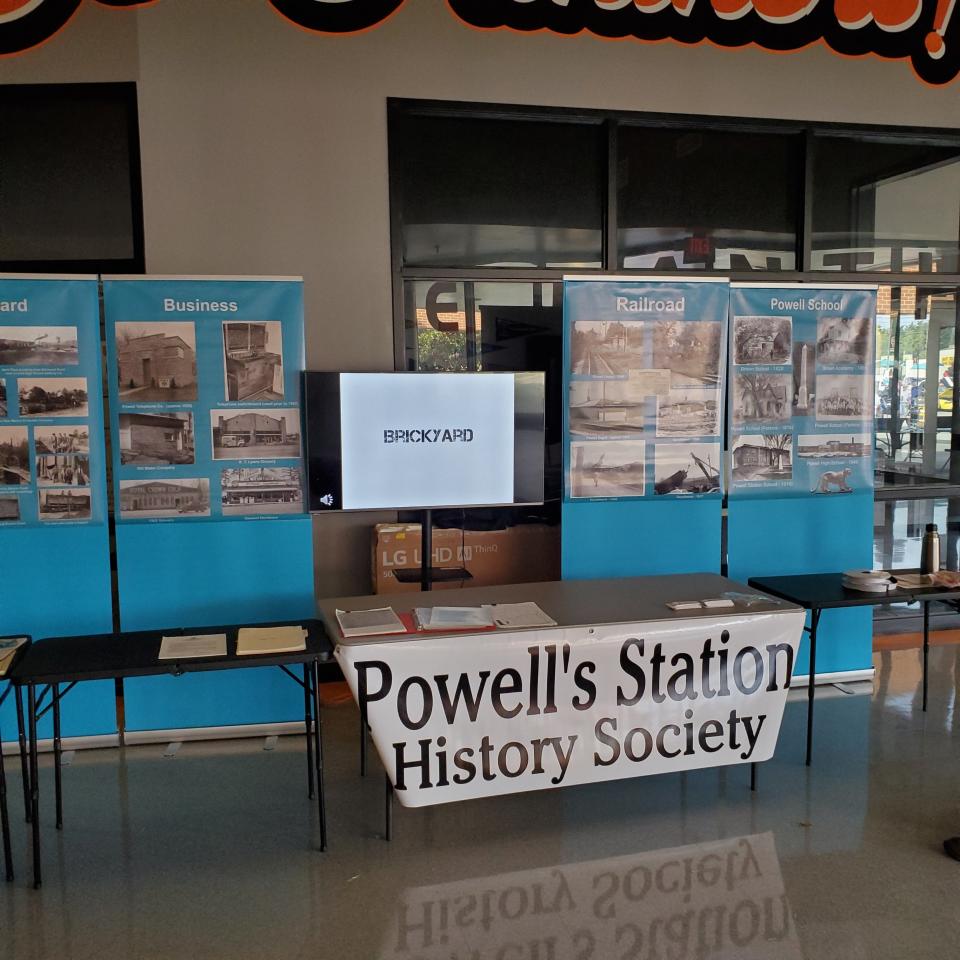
<point>156,439</point>
<point>252,490</point>
<point>157,361</point>
<point>267,434</point>
<point>164,498</point>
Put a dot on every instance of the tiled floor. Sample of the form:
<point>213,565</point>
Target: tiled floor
<point>208,855</point>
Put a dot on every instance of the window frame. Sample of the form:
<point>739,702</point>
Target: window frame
<point>807,133</point>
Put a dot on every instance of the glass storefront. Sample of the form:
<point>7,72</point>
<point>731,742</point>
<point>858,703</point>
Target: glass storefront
<point>492,206</point>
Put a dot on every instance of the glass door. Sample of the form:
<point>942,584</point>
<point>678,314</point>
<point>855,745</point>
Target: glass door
<point>918,470</point>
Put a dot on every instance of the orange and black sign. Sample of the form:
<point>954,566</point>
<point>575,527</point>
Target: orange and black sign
<point>925,32</point>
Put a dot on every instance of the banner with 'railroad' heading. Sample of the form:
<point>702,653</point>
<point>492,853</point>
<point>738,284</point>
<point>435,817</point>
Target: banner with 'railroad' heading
<point>454,720</point>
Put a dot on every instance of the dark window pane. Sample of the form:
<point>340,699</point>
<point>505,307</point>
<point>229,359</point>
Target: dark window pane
<point>714,200</point>
<point>882,205</point>
<point>65,178</point>
<point>491,192</point>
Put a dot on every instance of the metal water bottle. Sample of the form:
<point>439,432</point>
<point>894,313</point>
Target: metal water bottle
<point>930,550</point>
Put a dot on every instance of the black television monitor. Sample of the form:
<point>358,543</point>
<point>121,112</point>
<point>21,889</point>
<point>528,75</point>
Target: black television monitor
<point>391,441</point>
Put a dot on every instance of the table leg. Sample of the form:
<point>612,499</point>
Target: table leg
<point>57,754</point>
<point>5,818</point>
<point>308,724</point>
<point>318,740</point>
<point>34,785</point>
<point>811,681</point>
<point>926,649</point>
<point>24,759</point>
<point>388,825</point>
<point>363,726</point>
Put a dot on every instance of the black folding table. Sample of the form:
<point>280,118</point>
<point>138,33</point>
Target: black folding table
<point>817,592</point>
<point>49,664</point>
<point>4,810</point>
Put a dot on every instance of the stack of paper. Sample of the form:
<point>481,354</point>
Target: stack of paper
<point>196,645</point>
<point>369,623</point>
<point>453,618</point>
<point>516,615</point>
<point>912,581</point>
<point>261,640</point>
<point>8,650</point>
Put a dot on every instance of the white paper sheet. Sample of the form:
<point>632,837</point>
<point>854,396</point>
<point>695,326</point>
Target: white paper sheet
<point>197,645</point>
<point>510,615</point>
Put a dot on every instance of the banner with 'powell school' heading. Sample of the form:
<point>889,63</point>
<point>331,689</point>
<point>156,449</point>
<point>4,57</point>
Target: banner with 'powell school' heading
<point>454,720</point>
<point>801,390</point>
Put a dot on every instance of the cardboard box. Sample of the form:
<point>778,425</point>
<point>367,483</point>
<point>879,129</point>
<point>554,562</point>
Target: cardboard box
<point>522,554</point>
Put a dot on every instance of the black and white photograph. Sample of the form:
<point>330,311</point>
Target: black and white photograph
<point>71,504</point>
<point>14,457</point>
<point>607,348</point>
<point>253,360</point>
<point>53,396</point>
<point>683,469</point>
<point>63,470</point>
<point>761,397</point>
<point>843,340</point>
<point>833,446</point>
<point>157,362</point>
<point>265,434</point>
<point>3,398</point>
<point>758,457</point>
<point>38,346</point>
<point>255,490</point>
<point>607,468</point>
<point>804,378</point>
<point>157,439</point>
<point>66,439</point>
<point>169,497</point>
<point>9,509</point>
<point>690,349</point>
<point>600,408</point>
<point>758,340</point>
<point>843,396</point>
<point>689,413</point>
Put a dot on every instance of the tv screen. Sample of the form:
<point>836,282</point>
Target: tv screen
<point>384,441</point>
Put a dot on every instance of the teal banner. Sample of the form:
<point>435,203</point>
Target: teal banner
<point>801,390</point>
<point>204,380</point>
<point>645,380</point>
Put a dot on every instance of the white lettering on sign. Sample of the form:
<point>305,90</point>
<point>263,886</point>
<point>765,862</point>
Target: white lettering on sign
<point>170,305</point>
<point>14,306</point>
<point>814,303</point>
<point>650,305</point>
<point>511,712</point>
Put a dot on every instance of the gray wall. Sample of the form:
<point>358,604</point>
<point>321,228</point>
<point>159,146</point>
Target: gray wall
<point>264,147</point>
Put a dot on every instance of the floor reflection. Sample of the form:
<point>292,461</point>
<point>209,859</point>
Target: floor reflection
<point>898,685</point>
<point>723,899</point>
